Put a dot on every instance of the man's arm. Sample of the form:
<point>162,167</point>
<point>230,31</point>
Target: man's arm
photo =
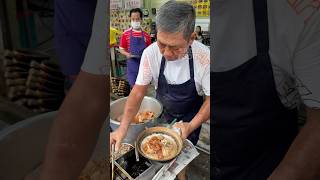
<point>123,46</point>
<point>124,52</point>
<point>202,116</point>
<point>303,158</point>
<point>130,110</point>
<point>76,128</point>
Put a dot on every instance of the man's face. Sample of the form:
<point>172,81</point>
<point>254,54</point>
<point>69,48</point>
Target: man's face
<point>173,45</point>
<point>135,16</point>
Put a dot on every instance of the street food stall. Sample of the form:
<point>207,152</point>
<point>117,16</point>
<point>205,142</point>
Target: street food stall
<point>151,147</point>
<point>147,127</point>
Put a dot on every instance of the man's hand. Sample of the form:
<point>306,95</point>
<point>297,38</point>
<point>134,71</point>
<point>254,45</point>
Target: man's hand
<point>185,128</point>
<point>116,138</point>
<point>128,55</point>
<point>125,53</point>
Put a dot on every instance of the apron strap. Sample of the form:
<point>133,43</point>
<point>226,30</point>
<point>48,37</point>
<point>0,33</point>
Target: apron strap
<point>130,40</point>
<point>142,34</point>
<point>191,63</point>
<point>261,26</point>
<point>131,36</point>
<point>163,64</point>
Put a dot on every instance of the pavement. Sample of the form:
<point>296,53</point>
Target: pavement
<point>199,168</point>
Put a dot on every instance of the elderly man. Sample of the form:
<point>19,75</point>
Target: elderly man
<point>179,67</point>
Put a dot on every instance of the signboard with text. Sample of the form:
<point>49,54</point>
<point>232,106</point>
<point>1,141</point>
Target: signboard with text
<point>130,4</point>
<point>115,4</point>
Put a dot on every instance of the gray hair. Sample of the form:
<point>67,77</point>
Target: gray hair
<point>175,17</point>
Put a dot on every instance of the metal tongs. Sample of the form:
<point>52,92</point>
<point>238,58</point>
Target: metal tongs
<point>178,130</point>
<point>112,161</point>
<point>172,123</point>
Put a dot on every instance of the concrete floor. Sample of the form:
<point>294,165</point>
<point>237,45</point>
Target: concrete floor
<point>199,168</point>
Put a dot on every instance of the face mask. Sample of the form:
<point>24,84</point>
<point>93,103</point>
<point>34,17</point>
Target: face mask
<point>135,25</point>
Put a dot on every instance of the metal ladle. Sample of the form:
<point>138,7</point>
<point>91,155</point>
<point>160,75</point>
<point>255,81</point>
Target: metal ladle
<point>112,161</point>
<point>136,151</point>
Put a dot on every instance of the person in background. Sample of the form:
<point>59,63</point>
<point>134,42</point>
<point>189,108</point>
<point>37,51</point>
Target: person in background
<point>199,34</point>
<point>133,42</point>
<point>114,34</point>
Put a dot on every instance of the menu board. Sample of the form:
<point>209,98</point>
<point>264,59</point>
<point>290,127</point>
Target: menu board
<point>130,4</point>
<point>115,4</point>
<point>202,7</point>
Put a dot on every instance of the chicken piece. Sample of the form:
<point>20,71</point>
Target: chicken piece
<point>160,154</point>
<point>143,116</point>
